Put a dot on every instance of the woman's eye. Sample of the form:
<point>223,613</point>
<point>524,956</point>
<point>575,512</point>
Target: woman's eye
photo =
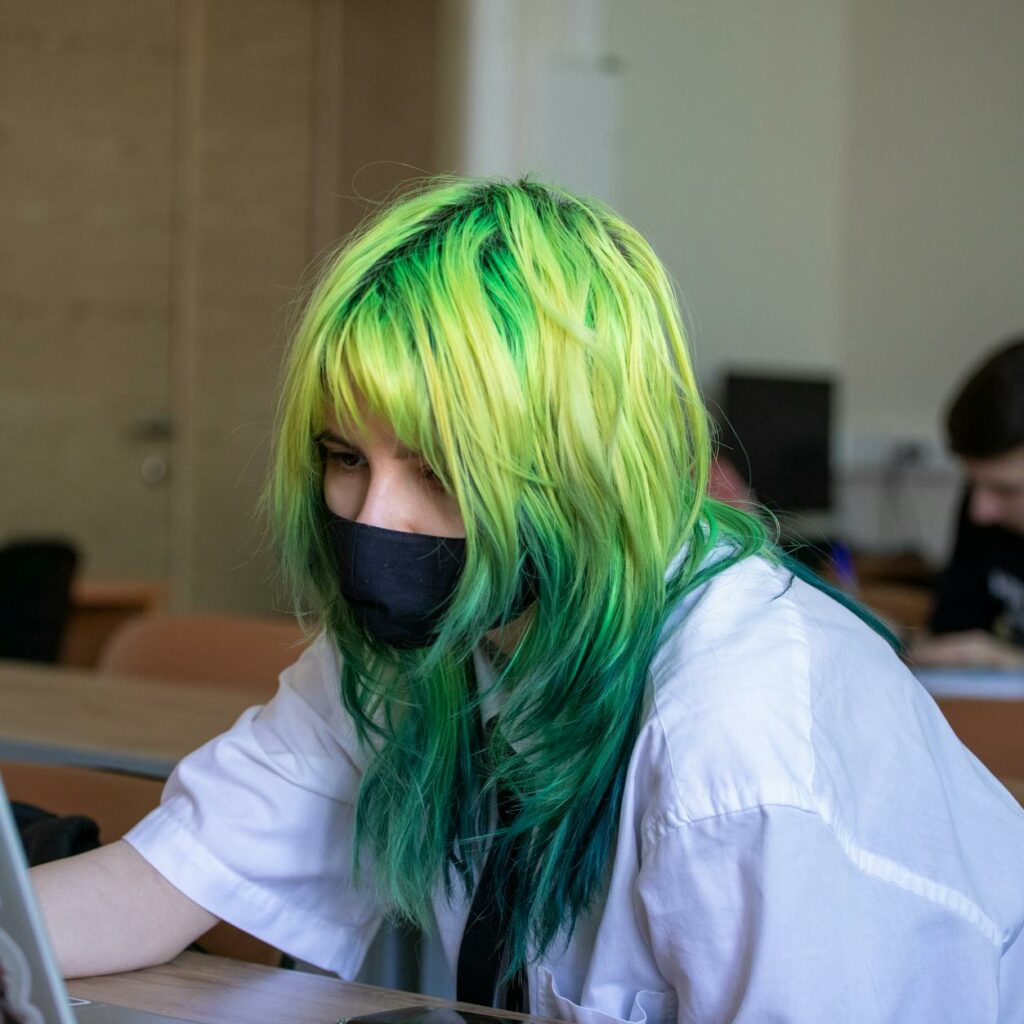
<point>344,458</point>
<point>431,479</point>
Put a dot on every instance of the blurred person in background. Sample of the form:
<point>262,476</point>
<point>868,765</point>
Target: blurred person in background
<point>978,618</point>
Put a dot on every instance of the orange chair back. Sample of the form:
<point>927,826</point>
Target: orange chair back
<point>225,650</point>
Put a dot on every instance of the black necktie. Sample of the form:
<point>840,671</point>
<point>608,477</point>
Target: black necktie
<point>482,955</point>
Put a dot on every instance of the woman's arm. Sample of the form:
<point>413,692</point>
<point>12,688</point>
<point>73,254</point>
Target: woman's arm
<point>109,910</point>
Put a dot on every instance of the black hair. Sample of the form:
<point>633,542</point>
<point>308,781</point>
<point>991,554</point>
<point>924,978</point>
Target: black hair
<point>986,418</point>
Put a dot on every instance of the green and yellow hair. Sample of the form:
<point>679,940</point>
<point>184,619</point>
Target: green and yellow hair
<point>528,343</point>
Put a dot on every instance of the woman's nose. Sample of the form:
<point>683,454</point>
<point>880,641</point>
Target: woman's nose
<point>387,504</point>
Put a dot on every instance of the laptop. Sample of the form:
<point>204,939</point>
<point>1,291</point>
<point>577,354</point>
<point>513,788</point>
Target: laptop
<point>31,989</point>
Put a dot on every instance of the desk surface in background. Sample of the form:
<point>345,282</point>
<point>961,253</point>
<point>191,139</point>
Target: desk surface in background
<point>73,716</point>
<point>972,683</point>
<point>212,990</point>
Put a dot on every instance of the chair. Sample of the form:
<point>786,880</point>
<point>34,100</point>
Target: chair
<point>35,598</point>
<point>116,802</point>
<point>992,729</point>
<point>223,650</point>
<point>99,607</point>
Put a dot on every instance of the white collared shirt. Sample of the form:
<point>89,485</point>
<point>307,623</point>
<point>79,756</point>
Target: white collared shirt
<point>802,838</point>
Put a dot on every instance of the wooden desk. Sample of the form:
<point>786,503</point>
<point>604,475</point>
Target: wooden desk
<point>73,716</point>
<point>212,990</point>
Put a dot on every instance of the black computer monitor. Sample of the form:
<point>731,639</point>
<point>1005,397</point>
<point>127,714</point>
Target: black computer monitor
<point>777,432</point>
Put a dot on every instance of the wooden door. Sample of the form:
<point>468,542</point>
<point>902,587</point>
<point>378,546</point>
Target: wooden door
<point>168,171</point>
<point>86,186</point>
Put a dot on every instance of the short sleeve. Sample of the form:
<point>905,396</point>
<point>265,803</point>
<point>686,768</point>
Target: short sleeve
<point>762,914</point>
<point>256,826</point>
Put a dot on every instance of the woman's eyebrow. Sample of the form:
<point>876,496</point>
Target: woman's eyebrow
<point>330,435</point>
<point>400,450</point>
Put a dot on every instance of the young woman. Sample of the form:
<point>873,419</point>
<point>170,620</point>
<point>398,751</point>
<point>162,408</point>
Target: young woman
<point>561,702</point>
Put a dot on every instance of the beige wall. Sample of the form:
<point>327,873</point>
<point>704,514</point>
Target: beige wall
<point>933,238</point>
<point>733,164</point>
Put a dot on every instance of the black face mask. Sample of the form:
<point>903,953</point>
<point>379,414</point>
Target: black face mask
<point>399,585</point>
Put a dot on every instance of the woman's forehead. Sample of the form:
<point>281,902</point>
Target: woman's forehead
<point>372,432</point>
<point>364,424</point>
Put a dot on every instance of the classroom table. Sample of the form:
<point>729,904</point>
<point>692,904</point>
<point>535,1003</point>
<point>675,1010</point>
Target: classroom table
<point>212,990</point>
<point>62,715</point>
<point>973,683</point>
